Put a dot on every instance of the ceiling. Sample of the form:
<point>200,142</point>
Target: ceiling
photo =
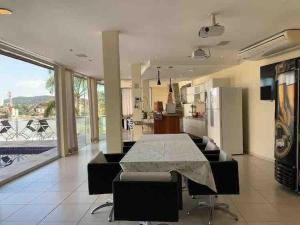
<point>160,32</point>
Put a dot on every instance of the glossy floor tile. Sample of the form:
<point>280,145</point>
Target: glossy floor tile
<point>57,194</point>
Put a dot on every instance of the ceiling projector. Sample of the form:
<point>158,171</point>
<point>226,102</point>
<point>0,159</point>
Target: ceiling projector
<point>211,31</point>
<point>201,54</point>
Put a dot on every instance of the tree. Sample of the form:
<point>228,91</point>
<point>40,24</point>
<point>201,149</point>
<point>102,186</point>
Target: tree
<point>50,84</point>
<point>50,109</point>
<point>101,102</point>
<point>80,91</point>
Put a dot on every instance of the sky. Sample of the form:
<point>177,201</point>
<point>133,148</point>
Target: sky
<point>21,78</point>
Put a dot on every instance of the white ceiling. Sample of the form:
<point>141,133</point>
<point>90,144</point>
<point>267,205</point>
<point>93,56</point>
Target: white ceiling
<point>162,31</point>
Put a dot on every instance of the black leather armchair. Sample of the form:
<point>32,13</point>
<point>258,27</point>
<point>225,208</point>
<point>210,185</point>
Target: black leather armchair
<point>146,200</point>
<point>211,157</point>
<point>226,176</point>
<point>201,146</point>
<point>197,140</point>
<point>202,142</point>
<point>126,149</point>
<point>102,169</point>
<point>128,143</point>
<point>127,146</point>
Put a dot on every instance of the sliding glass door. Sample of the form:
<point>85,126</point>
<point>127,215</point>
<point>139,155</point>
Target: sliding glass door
<point>28,134</point>
<point>82,110</point>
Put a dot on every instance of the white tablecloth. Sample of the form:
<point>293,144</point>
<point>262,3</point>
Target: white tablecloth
<point>169,152</point>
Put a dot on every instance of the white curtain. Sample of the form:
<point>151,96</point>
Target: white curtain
<point>126,102</point>
<point>66,111</point>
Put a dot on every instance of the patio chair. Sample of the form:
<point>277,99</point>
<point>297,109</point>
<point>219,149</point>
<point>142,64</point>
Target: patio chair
<point>7,130</point>
<point>5,161</point>
<point>29,130</point>
<point>44,130</point>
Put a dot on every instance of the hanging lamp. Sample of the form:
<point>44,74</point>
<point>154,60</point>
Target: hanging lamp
<point>158,76</point>
<point>170,85</point>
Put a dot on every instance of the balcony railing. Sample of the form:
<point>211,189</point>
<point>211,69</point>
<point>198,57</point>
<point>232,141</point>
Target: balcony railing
<point>14,130</point>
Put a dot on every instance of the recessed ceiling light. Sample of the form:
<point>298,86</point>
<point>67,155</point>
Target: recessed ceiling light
<point>4,11</point>
<point>191,70</point>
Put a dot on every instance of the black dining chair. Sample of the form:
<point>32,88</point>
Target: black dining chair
<point>226,176</point>
<point>127,146</point>
<point>102,169</point>
<point>143,197</point>
<point>128,143</point>
<point>197,140</point>
<point>126,149</point>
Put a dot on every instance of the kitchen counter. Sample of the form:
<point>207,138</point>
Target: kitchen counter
<point>168,124</point>
<point>195,118</point>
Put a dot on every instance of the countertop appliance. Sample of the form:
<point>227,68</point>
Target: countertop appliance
<point>224,121</point>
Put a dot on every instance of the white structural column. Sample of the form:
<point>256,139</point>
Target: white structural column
<point>112,84</point>
<point>146,96</point>
<point>136,91</point>
<point>93,108</point>
<point>67,138</point>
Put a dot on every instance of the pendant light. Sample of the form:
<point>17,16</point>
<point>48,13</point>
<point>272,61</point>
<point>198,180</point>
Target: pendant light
<point>170,85</point>
<point>158,76</point>
<point>4,11</point>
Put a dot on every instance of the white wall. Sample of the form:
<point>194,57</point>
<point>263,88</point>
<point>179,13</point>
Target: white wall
<point>258,116</point>
<point>159,93</point>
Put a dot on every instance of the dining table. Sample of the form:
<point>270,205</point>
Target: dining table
<point>169,152</point>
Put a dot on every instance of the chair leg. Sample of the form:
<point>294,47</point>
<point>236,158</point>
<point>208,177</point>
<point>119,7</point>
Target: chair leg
<point>211,209</point>
<point>222,205</point>
<point>199,206</point>
<point>212,206</point>
<point>226,210</point>
<point>107,204</point>
<point>145,223</point>
<point>111,214</point>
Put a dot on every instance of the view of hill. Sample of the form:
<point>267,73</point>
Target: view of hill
<point>30,100</point>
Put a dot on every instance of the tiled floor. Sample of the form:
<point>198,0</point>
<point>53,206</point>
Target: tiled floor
<point>57,195</point>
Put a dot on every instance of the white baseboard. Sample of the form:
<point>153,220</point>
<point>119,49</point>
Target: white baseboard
<point>270,159</point>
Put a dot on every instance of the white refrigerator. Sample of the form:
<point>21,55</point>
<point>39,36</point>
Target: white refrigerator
<point>224,118</point>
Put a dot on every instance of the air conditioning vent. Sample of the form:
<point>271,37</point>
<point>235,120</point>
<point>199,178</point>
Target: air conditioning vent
<point>285,41</point>
<point>223,43</point>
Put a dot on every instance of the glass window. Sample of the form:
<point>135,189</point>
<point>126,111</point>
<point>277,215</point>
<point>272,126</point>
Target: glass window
<point>101,111</point>
<point>27,116</point>
<point>82,111</point>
